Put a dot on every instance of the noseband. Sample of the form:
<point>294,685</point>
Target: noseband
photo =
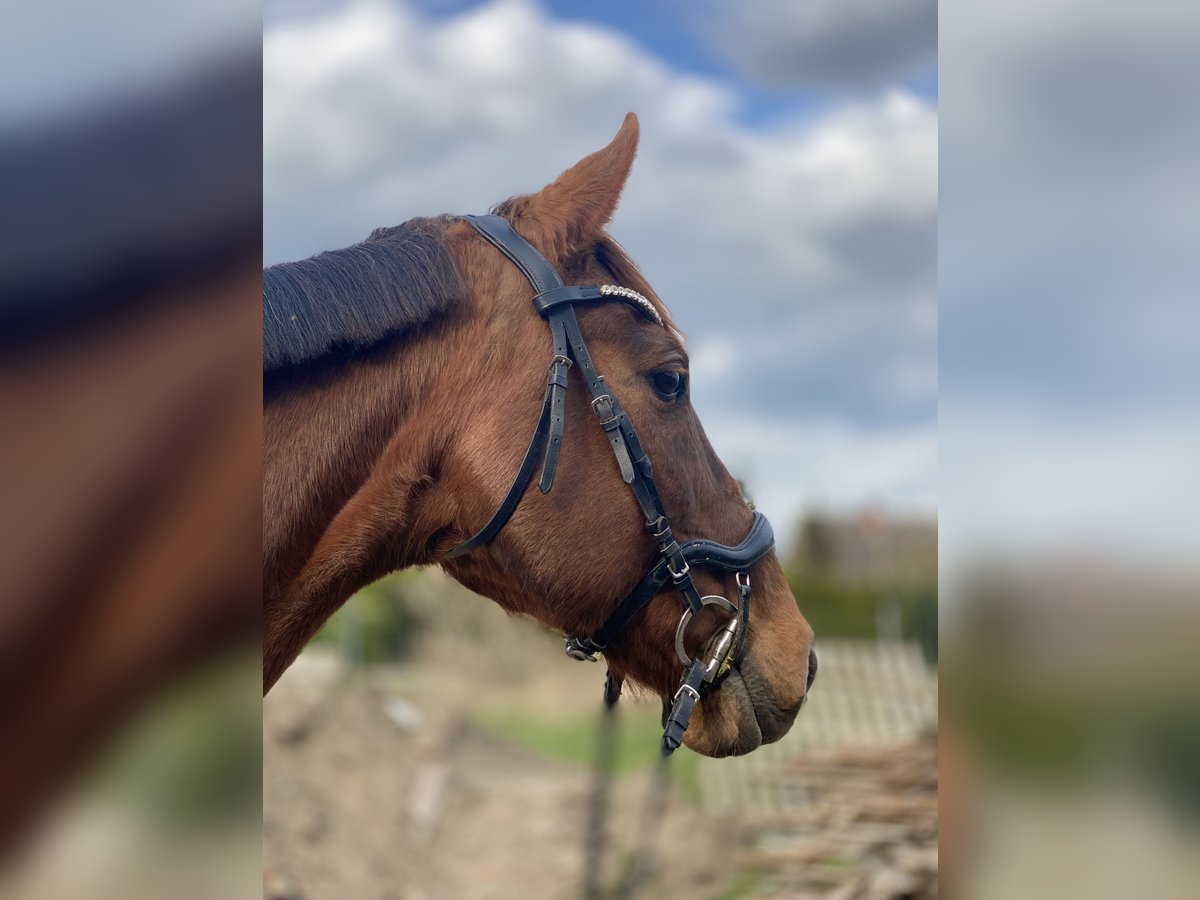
<point>556,303</point>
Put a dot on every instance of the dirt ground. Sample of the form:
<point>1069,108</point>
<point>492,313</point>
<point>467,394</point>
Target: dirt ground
<point>378,784</point>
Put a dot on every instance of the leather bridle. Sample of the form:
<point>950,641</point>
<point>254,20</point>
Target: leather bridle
<point>556,303</point>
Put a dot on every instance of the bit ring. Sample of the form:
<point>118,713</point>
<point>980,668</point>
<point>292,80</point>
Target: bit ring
<point>710,600</point>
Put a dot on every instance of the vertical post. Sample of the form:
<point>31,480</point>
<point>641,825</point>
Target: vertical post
<point>596,836</point>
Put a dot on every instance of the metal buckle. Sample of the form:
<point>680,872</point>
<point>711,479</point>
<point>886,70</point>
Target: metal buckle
<point>679,576</point>
<point>608,413</point>
<point>580,648</point>
<point>689,689</point>
<point>559,358</point>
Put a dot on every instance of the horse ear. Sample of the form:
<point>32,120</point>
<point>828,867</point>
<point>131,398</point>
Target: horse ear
<point>570,213</point>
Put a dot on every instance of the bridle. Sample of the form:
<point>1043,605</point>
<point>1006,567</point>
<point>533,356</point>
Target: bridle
<point>556,303</point>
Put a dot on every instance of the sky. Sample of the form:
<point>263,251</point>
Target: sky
<point>790,147</point>
<point>1068,269</point>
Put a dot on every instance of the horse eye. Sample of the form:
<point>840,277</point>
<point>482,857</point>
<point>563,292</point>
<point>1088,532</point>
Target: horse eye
<point>668,385</point>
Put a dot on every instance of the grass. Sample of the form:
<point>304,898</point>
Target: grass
<point>574,741</point>
<point>744,883</point>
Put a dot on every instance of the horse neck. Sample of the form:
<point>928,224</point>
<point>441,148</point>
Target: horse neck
<point>350,485</point>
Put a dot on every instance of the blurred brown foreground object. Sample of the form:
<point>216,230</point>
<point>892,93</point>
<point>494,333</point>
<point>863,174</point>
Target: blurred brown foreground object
<point>129,404</point>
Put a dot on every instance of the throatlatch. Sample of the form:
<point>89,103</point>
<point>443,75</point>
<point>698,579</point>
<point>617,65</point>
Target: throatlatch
<point>556,303</point>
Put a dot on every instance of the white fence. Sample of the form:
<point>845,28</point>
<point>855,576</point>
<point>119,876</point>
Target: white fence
<point>867,694</point>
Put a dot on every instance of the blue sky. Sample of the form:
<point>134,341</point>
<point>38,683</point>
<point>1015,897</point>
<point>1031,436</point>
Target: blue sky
<point>670,30</point>
<point>792,147</point>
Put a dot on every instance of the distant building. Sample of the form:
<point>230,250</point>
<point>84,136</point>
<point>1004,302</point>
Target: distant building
<point>868,547</point>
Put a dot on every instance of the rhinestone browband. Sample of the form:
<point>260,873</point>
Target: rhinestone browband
<point>631,294</point>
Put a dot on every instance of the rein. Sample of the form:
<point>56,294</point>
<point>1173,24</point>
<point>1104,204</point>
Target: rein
<point>556,303</point>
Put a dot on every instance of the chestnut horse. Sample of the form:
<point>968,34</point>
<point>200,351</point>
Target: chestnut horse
<point>402,381</point>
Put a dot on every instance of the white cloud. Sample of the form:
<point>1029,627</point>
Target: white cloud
<point>844,43</point>
<point>374,113</point>
<point>815,241</point>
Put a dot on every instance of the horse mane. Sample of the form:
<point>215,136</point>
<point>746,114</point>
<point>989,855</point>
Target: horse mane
<point>342,301</point>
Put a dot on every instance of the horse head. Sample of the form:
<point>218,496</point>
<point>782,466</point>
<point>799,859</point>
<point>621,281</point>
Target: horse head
<point>569,553</point>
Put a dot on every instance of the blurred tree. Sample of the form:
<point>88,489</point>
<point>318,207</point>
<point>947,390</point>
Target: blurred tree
<point>195,758</point>
<point>842,597</point>
<point>816,543</point>
<point>378,624</point>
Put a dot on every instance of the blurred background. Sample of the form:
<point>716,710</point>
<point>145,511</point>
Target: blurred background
<point>426,745</point>
<point>130,422</point>
<point>1070,726</point>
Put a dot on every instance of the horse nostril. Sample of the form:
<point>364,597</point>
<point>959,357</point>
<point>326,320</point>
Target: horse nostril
<point>812,669</point>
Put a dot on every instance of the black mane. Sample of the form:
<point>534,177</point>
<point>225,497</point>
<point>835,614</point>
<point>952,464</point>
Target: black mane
<point>340,301</point>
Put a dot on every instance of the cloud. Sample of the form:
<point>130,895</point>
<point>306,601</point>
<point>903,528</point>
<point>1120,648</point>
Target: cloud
<point>377,113</point>
<point>816,239</point>
<point>827,43</point>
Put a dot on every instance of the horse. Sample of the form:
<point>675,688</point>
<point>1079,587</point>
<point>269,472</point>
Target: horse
<point>402,377</point>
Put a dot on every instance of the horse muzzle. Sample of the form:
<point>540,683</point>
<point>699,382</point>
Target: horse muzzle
<point>745,712</point>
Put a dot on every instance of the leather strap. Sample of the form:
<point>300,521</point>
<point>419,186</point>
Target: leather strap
<point>500,518</point>
<point>548,301</point>
<point>535,267</point>
<point>675,720</point>
<point>559,370</point>
<point>551,293</point>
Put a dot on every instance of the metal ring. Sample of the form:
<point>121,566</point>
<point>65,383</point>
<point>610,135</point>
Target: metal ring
<point>710,600</point>
<point>745,585</point>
